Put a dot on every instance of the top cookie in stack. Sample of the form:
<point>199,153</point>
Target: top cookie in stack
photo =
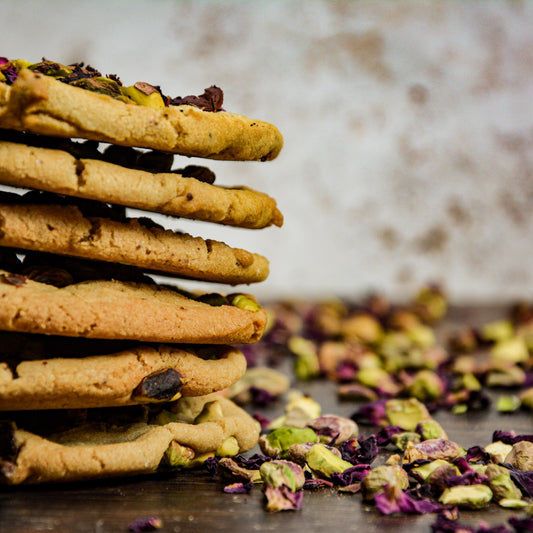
<point>73,264</point>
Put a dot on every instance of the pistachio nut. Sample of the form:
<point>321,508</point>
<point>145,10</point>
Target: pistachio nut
<point>323,461</point>
<point>334,429</point>
<point>426,385</point>
<point>406,413</point>
<point>431,429</point>
<point>244,301</point>
<point>521,456</point>
<point>513,350</point>
<point>393,476</point>
<point>501,484</point>
<point>178,456</point>
<point>402,439</point>
<point>228,448</point>
<point>280,440</point>
<point>467,496</point>
<point>230,469</point>
<point>498,451</point>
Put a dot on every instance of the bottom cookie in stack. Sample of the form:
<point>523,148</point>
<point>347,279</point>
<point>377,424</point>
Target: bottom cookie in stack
<point>74,407</point>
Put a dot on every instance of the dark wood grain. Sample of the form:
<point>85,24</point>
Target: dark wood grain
<point>193,501</point>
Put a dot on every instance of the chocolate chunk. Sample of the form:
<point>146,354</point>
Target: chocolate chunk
<point>15,279</point>
<point>211,100</point>
<point>162,385</point>
<point>154,161</point>
<point>58,277</point>
<point>197,172</point>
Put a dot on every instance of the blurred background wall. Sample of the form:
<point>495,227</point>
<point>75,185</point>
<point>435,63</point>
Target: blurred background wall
<point>408,127</point>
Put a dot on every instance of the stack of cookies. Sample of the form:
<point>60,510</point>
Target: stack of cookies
<point>103,371</point>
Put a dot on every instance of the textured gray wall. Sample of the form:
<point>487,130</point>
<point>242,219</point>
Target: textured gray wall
<point>408,127</point>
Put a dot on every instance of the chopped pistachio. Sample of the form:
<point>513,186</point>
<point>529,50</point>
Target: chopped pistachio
<point>467,496</point>
<point>498,451</point>
<point>470,382</point>
<point>211,411</point>
<point>298,452</point>
<point>501,484</point>
<point>320,459</point>
<point>244,301</point>
<point>513,503</point>
<point>406,413</point>
<point>164,417</point>
<point>509,376</point>
<point>431,303</point>
<point>265,378</point>
<point>508,403</point>
<point>231,469</point>
<point>422,336</point>
<point>362,327</point>
<point>278,473</point>
<point>306,364</point>
<point>513,350</point>
<point>178,455</point>
<point>402,439</point>
<point>299,411</point>
<point>424,471</point>
<point>392,475</point>
<point>153,100</point>
<point>521,456</point>
<point>426,385</point>
<point>431,429</point>
<point>280,440</point>
<point>334,429</point>
<point>228,448</point>
<point>498,330</point>
<point>377,378</point>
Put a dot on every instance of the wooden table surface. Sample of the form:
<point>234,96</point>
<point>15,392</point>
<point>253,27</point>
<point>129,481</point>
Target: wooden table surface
<point>193,501</point>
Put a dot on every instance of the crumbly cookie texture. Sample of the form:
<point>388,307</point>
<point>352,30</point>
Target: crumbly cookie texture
<point>92,451</point>
<point>169,193</point>
<point>137,375</point>
<point>41,104</point>
<point>122,310</point>
<point>64,230</point>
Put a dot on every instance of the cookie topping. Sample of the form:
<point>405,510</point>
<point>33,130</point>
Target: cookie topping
<point>87,77</point>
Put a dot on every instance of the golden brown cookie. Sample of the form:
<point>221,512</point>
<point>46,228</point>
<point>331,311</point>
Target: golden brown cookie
<point>41,104</point>
<point>169,193</point>
<point>125,310</point>
<point>107,448</point>
<point>66,230</point>
<point>47,372</point>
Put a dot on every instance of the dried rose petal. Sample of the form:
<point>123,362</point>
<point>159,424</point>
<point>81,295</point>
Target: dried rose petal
<point>238,488</point>
<point>145,524</point>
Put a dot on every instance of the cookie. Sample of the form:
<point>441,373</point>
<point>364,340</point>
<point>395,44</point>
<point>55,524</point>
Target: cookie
<point>48,372</point>
<point>40,222</point>
<point>57,171</point>
<point>112,309</point>
<point>41,104</point>
<point>108,448</point>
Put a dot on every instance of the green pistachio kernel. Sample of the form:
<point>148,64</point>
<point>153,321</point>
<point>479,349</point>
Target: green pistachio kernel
<point>320,459</point>
<point>178,456</point>
<point>277,474</point>
<point>306,364</point>
<point>431,429</point>
<point>401,440</point>
<point>508,403</point>
<point>498,451</point>
<point>513,350</point>
<point>164,417</point>
<point>497,330</point>
<point>521,456</point>
<point>280,440</point>
<point>154,99</point>
<point>265,378</point>
<point>406,413</point>
<point>228,448</point>
<point>424,471</point>
<point>510,503</point>
<point>245,302</point>
<point>393,476</point>
<point>211,411</point>
<point>467,496</point>
<point>426,385</point>
<point>422,336</point>
<point>299,411</point>
<point>510,376</point>
<point>361,327</point>
<point>501,484</point>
